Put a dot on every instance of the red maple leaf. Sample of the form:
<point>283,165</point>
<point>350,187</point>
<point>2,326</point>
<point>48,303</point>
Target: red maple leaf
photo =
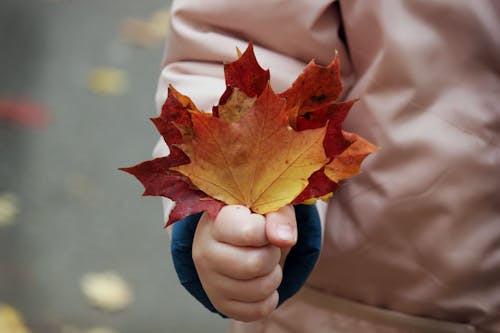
<point>257,148</point>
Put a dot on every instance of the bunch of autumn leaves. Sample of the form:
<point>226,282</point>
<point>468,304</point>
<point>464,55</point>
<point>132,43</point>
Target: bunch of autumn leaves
<point>258,149</point>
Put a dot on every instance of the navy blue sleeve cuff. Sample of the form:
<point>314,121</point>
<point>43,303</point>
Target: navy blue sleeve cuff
<point>298,265</point>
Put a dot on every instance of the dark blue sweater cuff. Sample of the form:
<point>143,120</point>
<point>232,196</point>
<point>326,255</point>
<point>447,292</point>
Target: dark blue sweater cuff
<point>298,265</point>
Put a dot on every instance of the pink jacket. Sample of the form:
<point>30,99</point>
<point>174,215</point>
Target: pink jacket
<point>413,243</point>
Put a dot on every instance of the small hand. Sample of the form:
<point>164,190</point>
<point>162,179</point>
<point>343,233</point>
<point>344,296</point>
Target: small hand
<point>237,256</point>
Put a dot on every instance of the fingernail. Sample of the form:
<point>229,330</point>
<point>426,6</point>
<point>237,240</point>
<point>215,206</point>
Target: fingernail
<point>285,232</point>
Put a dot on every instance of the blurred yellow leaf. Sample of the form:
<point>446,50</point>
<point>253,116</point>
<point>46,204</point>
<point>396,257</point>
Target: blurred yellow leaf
<point>106,291</point>
<point>9,208</point>
<point>146,33</point>
<point>159,23</point>
<point>107,81</point>
<point>11,321</point>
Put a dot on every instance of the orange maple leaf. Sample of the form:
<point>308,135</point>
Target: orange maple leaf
<point>257,148</point>
<point>258,161</point>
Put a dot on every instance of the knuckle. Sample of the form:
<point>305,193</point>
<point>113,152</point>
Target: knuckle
<point>256,312</point>
<point>267,306</point>
<point>253,266</point>
<point>268,284</point>
<point>249,312</point>
<point>264,292</point>
<point>262,261</point>
<point>249,233</point>
<point>275,253</point>
<point>256,264</point>
<point>273,301</point>
<point>273,280</point>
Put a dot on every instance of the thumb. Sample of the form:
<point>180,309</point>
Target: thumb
<point>281,227</point>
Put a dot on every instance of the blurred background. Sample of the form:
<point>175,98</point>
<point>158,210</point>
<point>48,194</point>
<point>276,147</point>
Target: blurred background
<point>80,250</point>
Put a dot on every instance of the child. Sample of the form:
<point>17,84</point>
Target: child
<point>410,245</point>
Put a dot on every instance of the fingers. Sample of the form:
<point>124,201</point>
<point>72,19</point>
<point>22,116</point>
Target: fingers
<point>238,262</point>
<point>281,227</point>
<point>244,311</point>
<point>236,225</point>
<point>248,291</point>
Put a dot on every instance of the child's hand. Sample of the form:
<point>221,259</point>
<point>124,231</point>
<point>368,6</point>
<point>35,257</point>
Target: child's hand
<point>238,255</point>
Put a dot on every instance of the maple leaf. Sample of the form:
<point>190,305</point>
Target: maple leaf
<point>258,149</point>
<point>315,87</point>
<point>160,180</point>
<point>348,163</point>
<point>249,79</point>
<point>257,161</point>
<point>246,74</point>
<point>157,176</point>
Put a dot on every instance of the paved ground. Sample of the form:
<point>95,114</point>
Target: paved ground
<point>78,214</point>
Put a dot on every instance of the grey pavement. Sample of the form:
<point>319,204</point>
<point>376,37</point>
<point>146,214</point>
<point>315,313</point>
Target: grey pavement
<point>78,214</point>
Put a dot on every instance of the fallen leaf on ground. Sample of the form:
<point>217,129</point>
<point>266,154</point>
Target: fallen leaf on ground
<point>9,208</point>
<point>11,320</point>
<point>138,32</point>
<point>23,112</point>
<point>107,81</point>
<point>106,290</point>
<point>159,22</point>
<point>258,149</point>
<point>146,33</point>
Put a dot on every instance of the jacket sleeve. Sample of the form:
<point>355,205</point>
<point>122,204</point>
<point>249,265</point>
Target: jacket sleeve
<point>204,35</point>
<point>286,35</point>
